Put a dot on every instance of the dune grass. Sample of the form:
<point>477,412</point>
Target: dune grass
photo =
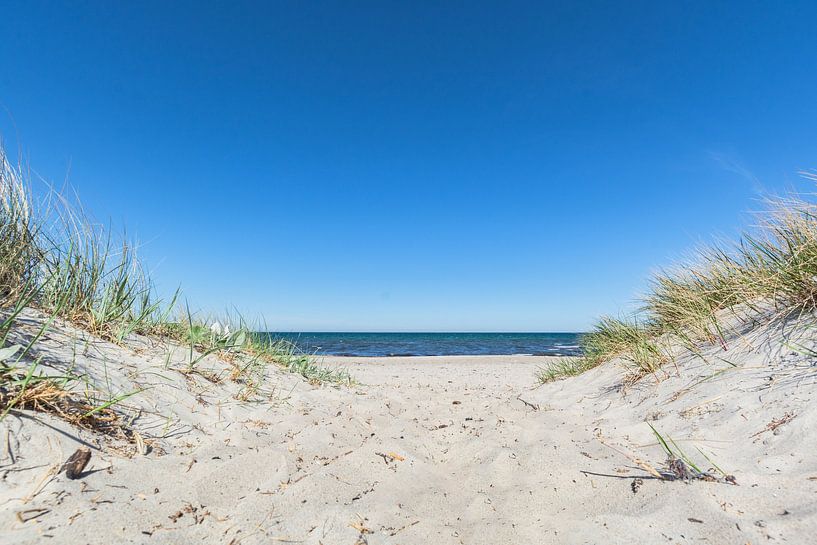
<point>287,355</point>
<point>65,265</point>
<point>24,385</point>
<point>769,272</point>
<point>560,368</point>
<point>55,259</point>
<point>633,341</point>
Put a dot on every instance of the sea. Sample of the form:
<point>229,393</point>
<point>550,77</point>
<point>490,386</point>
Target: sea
<point>434,344</point>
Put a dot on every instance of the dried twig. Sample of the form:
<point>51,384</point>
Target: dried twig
<point>390,457</point>
<point>30,514</point>
<point>776,423</point>
<point>533,406</point>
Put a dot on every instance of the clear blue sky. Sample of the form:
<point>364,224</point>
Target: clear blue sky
<point>413,166</point>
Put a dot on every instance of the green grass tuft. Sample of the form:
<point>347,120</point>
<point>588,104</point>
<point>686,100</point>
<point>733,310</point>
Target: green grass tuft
<point>287,355</point>
<point>562,367</point>
<point>632,341</point>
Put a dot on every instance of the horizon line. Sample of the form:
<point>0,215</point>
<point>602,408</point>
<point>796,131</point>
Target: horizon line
<point>438,332</point>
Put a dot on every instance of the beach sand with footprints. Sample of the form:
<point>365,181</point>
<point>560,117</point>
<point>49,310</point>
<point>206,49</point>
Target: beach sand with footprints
<point>459,450</point>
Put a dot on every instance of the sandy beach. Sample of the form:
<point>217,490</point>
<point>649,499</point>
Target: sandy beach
<point>326,273</point>
<point>459,450</point>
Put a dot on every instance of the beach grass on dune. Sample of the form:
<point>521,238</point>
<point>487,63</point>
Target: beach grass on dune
<point>24,385</point>
<point>632,340</point>
<point>561,367</point>
<point>290,357</point>
<point>54,259</point>
<point>769,272</point>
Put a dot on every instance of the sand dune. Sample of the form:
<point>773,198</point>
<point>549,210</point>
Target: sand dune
<point>459,450</point>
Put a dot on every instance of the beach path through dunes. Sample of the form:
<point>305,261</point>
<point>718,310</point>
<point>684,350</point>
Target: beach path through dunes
<point>442,450</point>
<point>468,450</point>
<point>448,450</point>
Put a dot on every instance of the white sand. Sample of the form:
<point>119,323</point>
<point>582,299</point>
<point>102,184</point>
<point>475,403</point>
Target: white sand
<point>483,456</point>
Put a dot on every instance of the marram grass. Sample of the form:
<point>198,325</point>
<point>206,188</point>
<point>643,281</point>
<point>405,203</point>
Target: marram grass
<point>771,271</point>
<point>560,368</point>
<point>55,259</point>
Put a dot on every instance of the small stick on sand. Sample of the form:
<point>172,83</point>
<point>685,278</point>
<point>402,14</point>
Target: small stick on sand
<point>30,514</point>
<point>533,406</point>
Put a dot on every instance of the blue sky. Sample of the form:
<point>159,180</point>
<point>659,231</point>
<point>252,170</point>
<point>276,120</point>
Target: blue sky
<point>513,166</point>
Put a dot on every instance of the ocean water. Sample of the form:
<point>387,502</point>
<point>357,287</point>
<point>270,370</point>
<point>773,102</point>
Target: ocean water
<point>434,344</point>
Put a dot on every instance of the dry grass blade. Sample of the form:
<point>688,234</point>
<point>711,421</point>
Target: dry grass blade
<point>49,395</point>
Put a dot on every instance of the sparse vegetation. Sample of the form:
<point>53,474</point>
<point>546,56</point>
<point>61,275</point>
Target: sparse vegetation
<point>561,367</point>
<point>634,341</point>
<point>287,355</point>
<point>54,259</point>
<point>770,272</point>
<point>680,466</point>
<point>27,387</point>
